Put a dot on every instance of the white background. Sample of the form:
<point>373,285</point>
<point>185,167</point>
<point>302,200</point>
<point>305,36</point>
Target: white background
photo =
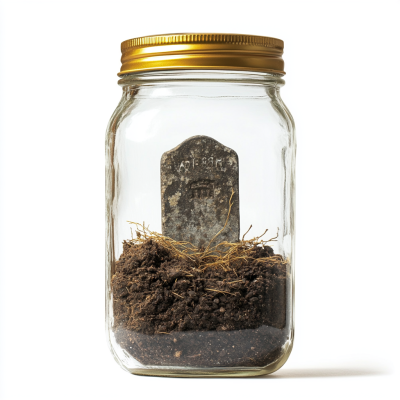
<point>58,84</point>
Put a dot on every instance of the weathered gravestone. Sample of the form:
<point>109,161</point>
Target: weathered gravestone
<point>197,178</point>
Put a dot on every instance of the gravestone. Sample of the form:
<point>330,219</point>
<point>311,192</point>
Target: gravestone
<point>197,178</point>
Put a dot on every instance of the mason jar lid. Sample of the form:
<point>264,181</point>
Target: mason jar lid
<point>202,51</point>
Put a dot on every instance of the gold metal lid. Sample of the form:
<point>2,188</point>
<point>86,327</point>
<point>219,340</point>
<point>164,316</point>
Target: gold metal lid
<point>202,51</point>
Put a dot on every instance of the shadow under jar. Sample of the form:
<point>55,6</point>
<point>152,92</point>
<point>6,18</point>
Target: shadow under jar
<point>200,156</point>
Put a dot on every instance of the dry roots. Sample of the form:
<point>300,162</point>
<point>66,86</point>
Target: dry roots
<point>223,255</point>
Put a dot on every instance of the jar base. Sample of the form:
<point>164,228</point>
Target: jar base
<point>176,372</point>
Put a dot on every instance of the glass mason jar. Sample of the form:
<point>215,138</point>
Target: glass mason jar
<point>191,290</point>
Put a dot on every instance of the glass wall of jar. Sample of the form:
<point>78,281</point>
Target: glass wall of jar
<point>200,223</point>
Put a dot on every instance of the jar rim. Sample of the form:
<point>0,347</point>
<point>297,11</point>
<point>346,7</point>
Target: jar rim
<point>201,75</point>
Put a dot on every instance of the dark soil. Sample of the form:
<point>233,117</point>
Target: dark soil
<point>167,312</point>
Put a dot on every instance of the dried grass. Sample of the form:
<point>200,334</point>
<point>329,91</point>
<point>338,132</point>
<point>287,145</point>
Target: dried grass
<point>223,255</point>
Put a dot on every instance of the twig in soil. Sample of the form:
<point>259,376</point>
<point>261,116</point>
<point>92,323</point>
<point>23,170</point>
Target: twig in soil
<point>246,232</point>
<point>221,291</point>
